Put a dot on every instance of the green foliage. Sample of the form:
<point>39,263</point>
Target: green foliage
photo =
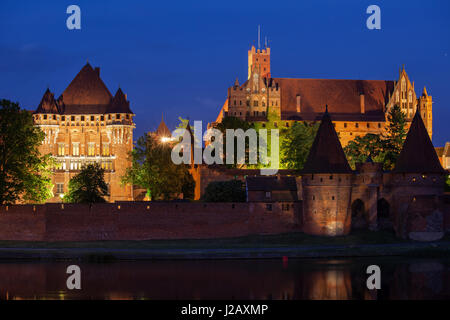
<point>225,191</point>
<point>447,184</point>
<point>234,123</point>
<point>24,173</point>
<point>88,186</point>
<point>360,148</point>
<point>296,143</point>
<point>152,168</point>
<point>395,137</point>
<point>381,148</point>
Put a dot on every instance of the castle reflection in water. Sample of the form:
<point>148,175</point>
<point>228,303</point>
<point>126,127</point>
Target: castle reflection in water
<point>230,279</point>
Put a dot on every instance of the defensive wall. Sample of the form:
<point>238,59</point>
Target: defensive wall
<point>145,220</point>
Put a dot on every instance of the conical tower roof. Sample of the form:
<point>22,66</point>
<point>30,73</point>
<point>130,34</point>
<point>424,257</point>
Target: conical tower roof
<point>163,130</point>
<point>119,103</point>
<point>48,103</point>
<point>326,154</point>
<point>418,154</point>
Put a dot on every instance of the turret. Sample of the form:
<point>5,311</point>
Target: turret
<point>326,184</point>
<point>417,184</point>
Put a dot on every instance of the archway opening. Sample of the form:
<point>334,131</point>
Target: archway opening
<point>383,214</point>
<point>358,215</point>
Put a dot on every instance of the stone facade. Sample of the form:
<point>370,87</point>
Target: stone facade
<point>86,124</point>
<point>358,107</point>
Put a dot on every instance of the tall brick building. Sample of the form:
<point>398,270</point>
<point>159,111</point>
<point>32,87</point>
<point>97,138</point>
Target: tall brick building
<point>86,124</point>
<point>357,107</point>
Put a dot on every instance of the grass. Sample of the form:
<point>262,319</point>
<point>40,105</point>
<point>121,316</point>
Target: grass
<point>293,239</point>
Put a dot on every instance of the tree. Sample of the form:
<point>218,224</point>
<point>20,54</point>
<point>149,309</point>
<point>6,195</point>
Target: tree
<point>447,184</point>
<point>225,191</point>
<point>381,148</point>
<point>152,168</point>
<point>25,175</point>
<point>296,143</point>
<point>234,123</point>
<point>88,186</point>
<point>394,137</point>
<point>360,148</point>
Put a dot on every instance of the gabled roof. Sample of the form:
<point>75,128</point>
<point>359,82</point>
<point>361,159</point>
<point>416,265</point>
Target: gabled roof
<point>326,154</point>
<point>163,130</point>
<point>271,183</point>
<point>48,103</point>
<point>343,97</point>
<point>119,103</point>
<point>418,154</point>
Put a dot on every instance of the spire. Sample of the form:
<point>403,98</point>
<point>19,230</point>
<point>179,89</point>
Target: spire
<point>424,92</point>
<point>326,154</point>
<point>236,83</point>
<point>48,103</point>
<point>418,154</point>
<point>163,130</point>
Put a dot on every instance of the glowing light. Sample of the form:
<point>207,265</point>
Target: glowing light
<point>165,139</point>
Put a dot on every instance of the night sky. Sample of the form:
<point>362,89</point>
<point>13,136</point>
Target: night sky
<point>180,57</point>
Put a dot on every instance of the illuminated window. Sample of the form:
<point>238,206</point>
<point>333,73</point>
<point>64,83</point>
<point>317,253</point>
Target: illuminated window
<point>105,150</point>
<point>75,165</point>
<point>106,165</point>
<point>60,188</point>
<point>76,149</point>
<point>91,149</point>
<point>61,149</point>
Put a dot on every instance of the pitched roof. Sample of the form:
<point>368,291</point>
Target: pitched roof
<point>343,97</point>
<point>48,103</point>
<point>326,154</point>
<point>86,94</point>
<point>271,183</point>
<point>163,130</point>
<point>418,154</point>
<point>119,103</point>
<point>86,89</point>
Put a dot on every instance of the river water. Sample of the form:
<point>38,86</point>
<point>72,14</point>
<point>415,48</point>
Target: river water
<point>229,279</point>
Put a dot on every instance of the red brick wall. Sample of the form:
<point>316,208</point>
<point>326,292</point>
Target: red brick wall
<point>142,220</point>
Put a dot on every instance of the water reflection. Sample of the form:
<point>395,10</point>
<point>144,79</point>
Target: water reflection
<point>229,279</point>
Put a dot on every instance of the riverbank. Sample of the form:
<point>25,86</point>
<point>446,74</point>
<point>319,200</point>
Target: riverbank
<point>291,245</point>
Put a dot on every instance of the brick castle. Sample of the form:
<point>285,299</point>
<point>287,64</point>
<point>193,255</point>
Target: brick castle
<point>86,124</point>
<point>357,107</point>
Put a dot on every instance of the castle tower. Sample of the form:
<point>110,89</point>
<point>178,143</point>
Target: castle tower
<point>426,111</point>
<point>327,184</point>
<point>85,125</point>
<point>417,184</point>
<point>259,58</point>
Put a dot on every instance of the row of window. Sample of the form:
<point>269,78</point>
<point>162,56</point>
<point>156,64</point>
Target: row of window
<point>90,149</point>
<point>78,164</point>
<point>255,103</point>
<point>60,188</point>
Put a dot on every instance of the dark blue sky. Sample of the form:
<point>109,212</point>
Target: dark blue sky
<point>179,57</point>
